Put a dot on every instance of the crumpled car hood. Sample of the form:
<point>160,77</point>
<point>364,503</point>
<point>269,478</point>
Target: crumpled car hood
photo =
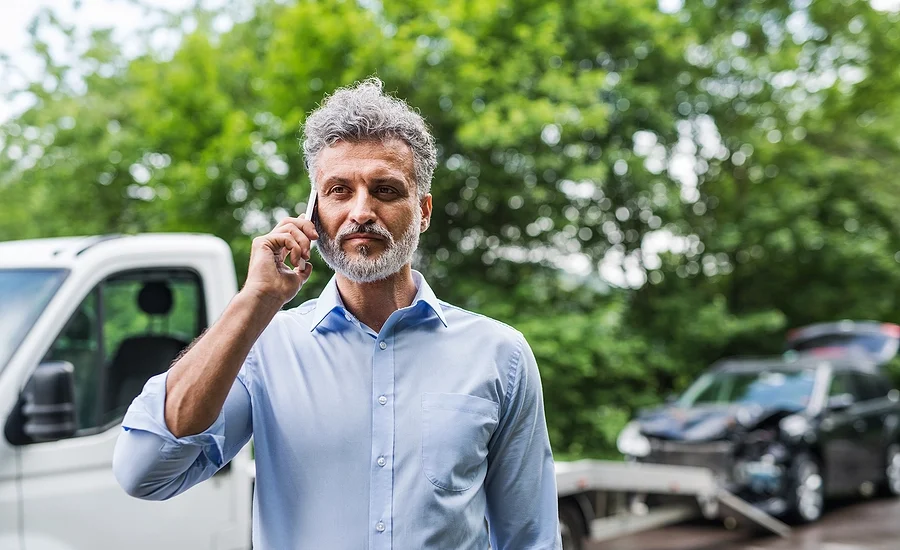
<point>704,423</point>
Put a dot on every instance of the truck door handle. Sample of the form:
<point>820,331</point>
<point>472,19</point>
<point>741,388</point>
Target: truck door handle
<point>860,425</point>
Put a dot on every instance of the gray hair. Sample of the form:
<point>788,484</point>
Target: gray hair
<point>364,112</point>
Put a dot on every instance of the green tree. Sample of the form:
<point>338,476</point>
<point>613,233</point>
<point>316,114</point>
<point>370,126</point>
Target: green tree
<point>734,158</point>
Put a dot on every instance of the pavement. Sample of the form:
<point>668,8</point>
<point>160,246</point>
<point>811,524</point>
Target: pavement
<point>869,525</point>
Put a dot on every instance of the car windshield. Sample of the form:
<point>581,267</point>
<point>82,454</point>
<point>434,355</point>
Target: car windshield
<point>789,389</point>
<point>871,343</point>
<point>24,293</point>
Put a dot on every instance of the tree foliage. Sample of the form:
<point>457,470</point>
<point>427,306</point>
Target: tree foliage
<point>639,192</point>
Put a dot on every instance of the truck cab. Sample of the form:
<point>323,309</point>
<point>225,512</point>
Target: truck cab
<point>84,322</point>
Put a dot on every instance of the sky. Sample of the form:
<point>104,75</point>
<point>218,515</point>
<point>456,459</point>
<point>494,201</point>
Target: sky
<point>123,16</point>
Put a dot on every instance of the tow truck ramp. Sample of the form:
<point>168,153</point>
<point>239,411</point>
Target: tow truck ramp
<point>613,481</point>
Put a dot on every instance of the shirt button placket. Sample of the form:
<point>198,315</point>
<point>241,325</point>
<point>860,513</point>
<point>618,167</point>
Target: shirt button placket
<point>381,496</point>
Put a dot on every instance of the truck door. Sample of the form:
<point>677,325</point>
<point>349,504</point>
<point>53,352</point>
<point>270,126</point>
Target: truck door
<point>129,327</point>
<point>9,513</point>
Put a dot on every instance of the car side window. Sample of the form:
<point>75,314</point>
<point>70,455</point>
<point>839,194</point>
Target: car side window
<point>131,327</point>
<point>870,388</point>
<point>841,384</point>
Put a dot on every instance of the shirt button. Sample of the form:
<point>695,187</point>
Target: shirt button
<point>381,461</point>
<point>382,400</point>
<point>348,317</point>
<point>382,345</point>
<point>379,526</point>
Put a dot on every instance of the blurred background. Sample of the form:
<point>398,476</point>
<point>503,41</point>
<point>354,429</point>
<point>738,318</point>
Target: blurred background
<point>641,187</point>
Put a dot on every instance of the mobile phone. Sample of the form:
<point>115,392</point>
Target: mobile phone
<point>311,204</point>
<point>310,212</point>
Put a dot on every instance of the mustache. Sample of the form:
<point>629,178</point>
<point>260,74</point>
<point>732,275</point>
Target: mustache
<point>372,228</point>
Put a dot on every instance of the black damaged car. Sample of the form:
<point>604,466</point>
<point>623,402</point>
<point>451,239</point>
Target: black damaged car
<point>784,435</point>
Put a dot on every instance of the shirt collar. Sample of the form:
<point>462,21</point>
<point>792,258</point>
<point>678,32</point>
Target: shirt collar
<point>330,300</point>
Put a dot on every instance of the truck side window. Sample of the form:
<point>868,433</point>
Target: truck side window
<point>79,344</point>
<point>130,327</point>
<point>149,318</point>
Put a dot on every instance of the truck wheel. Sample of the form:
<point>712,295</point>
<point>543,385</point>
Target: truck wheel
<point>571,526</point>
<point>807,491</point>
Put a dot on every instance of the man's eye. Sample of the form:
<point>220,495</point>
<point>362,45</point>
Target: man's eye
<point>385,190</point>
<point>339,189</point>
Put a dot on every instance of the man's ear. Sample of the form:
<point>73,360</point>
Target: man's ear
<point>426,206</point>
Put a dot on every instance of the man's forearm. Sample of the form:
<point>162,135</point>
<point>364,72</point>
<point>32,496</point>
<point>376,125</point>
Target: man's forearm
<point>199,382</point>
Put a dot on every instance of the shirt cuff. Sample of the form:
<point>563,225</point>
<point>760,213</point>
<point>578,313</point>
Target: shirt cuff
<point>147,413</point>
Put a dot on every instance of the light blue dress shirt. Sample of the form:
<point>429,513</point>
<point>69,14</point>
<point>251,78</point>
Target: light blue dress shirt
<point>407,439</point>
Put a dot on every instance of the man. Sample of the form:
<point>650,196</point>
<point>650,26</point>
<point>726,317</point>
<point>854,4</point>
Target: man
<point>382,417</point>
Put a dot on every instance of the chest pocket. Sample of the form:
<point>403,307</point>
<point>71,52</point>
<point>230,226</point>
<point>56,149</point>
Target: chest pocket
<point>456,429</point>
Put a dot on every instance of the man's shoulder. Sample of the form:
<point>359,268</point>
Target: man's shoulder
<point>300,314</point>
<point>291,321</point>
<point>470,320</point>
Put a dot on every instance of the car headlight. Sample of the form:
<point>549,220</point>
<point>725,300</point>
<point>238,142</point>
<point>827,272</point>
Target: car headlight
<point>631,442</point>
<point>794,426</point>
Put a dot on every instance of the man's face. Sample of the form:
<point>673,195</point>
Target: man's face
<point>369,214</point>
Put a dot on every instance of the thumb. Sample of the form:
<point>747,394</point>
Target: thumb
<point>304,269</point>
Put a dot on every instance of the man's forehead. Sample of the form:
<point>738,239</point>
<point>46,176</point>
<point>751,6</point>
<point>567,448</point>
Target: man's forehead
<point>388,155</point>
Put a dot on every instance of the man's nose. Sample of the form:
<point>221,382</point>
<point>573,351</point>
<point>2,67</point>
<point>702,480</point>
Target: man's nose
<point>362,211</point>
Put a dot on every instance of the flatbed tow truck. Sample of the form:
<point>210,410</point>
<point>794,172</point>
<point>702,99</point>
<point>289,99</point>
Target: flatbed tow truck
<point>594,500</point>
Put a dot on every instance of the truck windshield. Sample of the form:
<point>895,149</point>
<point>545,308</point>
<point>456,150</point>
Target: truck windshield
<point>789,389</point>
<point>24,293</point>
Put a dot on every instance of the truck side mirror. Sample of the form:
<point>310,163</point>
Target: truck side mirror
<point>46,410</point>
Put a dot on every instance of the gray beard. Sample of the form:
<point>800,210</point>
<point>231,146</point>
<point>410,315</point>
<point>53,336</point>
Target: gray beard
<point>363,269</point>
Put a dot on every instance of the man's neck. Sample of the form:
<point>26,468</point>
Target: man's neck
<point>372,303</point>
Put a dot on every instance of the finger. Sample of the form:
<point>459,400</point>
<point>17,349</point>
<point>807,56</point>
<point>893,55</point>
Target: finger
<point>266,245</point>
<point>299,251</point>
<point>305,271</point>
<point>284,243</point>
<point>309,228</point>
<point>301,223</point>
<point>301,238</point>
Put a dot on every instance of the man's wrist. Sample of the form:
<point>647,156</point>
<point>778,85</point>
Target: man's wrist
<point>259,300</point>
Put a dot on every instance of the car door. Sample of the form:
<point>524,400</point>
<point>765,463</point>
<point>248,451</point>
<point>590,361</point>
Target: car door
<point>844,460</point>
<point>874,409</point>
<point>128,328</point>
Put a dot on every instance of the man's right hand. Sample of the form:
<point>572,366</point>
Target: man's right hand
<point>268,275</point>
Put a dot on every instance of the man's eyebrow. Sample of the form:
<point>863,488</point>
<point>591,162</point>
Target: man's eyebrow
<point>389,179</point>
<point>335,180</point>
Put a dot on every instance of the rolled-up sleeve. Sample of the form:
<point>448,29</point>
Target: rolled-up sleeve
<point>521,479</point>
<point>151,463</point>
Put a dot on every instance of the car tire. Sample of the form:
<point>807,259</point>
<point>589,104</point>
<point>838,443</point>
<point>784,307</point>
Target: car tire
<point>571,526</point>
<point>890,485</point>
<point>806,495</point>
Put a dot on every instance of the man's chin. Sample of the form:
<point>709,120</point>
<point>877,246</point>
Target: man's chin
<point>368,251</point>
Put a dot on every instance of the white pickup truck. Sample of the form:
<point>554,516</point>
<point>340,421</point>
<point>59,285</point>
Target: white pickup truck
<point>83,323</point>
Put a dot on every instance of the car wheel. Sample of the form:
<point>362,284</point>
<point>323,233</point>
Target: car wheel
<point>892,470</point>
<point>807,490</point>
<point>571,526</point>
